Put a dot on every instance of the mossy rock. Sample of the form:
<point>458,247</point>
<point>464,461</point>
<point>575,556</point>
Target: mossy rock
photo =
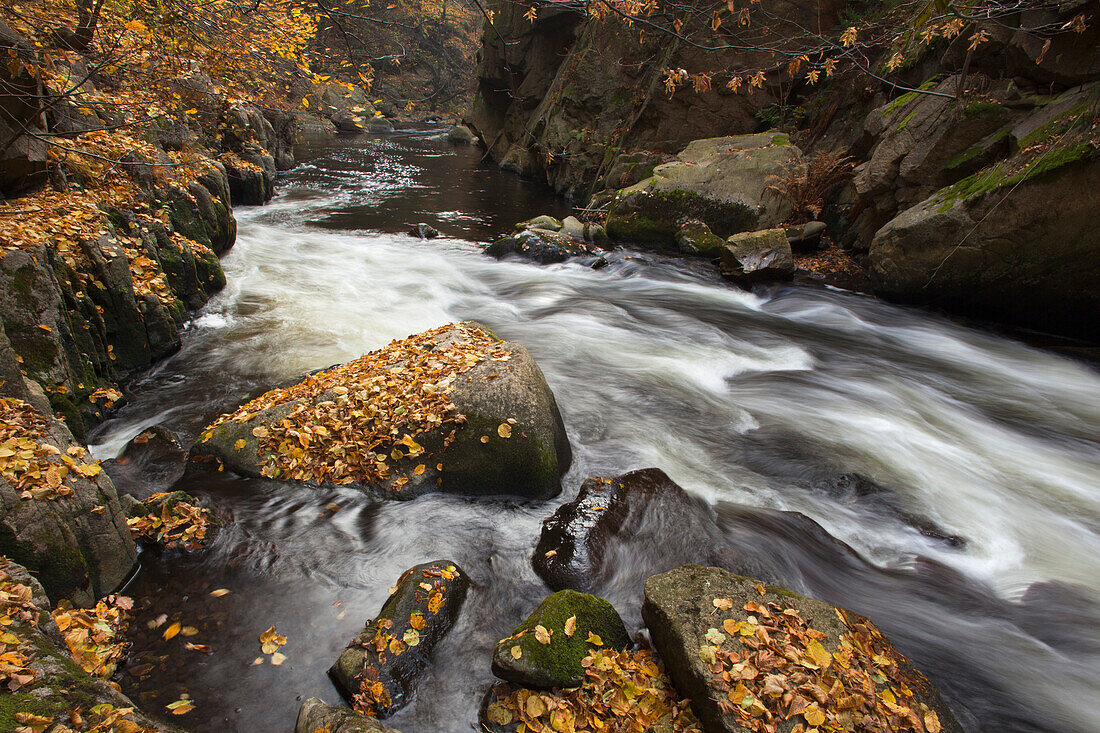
<point>694,237</point>
<point>558,664</point>
<point>654,217</point>
<point>316,715</point>
<point>755,257</point>
<point>396,646</point>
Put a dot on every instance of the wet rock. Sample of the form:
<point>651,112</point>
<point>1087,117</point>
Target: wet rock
<point>151,462</point>
<point>312,129</point>
<point>1063,615</point>
<point>509,441</point>
<point>755,257</point>
<point>541,246</point>
<point>694,237</point>
<point>379,125</point>
<point>596,233</point>
<point>572,226</point>
<point>461,135</point>
<point>548,223</point>
<point>424,231</point>
<point>316,715</point>
<point>727,183</point>
<point>640,520</point>
<point>79,545</point>
<point>694,612</point>
<point>518,160</point>
<point>853,488</point>
<point>378,670</point>
<point>524,659</point>
<point>59,685</point>
<point>345,121</point>
<point>806,237</point>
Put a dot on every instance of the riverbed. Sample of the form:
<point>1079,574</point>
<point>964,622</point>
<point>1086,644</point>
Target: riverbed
<point>976,547</point>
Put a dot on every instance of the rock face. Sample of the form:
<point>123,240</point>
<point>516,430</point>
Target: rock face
<point>73,533</point>
<point>546,650</point>
<point>315,715</point>
<point>754,257</point>
<point>59,685</point>
<point>707,623</point>
<point>378,669</point>
<point>587,90</point>
<point>726,183</point>
<point>621,517</point>
<point>543,246</point>
<point>486,423</point>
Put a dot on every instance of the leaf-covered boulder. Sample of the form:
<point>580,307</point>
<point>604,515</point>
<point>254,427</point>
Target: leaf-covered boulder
<point>754,257</point>
<point>378,670</point>
<point>40,677</point>
<point>542,246</point>
<point>547,649</point>
<point>453,409</point>
<point>641,516</point>
<point>59,513</point>
<point>315,715</point>
<point>747,654</point>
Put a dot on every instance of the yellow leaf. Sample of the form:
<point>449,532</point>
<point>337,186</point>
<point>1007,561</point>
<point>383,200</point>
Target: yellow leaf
<point>484,438</point>
<point>219,592</point>
<point>180,707</point>
<point>45,328</point>
<point>240,444</point>
<point>172,631</point>
<point>819,655</point>
<point>504,430</point>
<point>516,652</point>
<point>571,625</point>
<point>542,634</point>
<point>278,658</point>
<point>419,469</point>
<point>594,639</point>
<point>814,716</point>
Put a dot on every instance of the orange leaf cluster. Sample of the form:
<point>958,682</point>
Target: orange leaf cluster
<point>355,422</point>
<point>623,692</point>
<point>102,718</point>
<point>37,468</point>
<point>95,635</point>
<point>16,605</point>
<point>171,522</point>
<point>781,671</point>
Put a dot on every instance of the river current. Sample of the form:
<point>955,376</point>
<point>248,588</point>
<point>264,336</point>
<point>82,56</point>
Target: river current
<point>977,549</point>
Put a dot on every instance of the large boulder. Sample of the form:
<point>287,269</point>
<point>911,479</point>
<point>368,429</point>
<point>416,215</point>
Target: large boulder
<point>41,677</point>
<point>547,649</point>
<point>728,183</point>
<point>378,670</point>
<point>453,409</point>
<point>59,514</point>
<point>748,655</point>
<point>315,715</point>
<point>616,518</point>
<point>754,257</point>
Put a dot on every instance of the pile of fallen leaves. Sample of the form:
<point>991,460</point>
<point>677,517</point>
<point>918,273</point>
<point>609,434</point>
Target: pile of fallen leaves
<point>38,469</point>
<point>371,410</point>
<point>95,635</point>
<point>625,692</point>
<point>780,671</point>
<point>103,718</point>
<point>833,259</point>
<point>16,605</point>
<point>172,520</point>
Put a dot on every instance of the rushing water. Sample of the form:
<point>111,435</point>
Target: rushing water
<point>761,399</point>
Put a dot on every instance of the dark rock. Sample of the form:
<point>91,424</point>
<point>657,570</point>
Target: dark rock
<point>379,125</point>
<point>679,610</point>
<point>806,237</point>
<point>424,231</point>
<point>150,463</point>
<point>527,464</point>
<point>384,660</point>
<point>1063,615</point>
<point>754,257</point>
<point>461,135</point>
<point>599,263</point>
<point>23,158</point>
<point>76,552</point>
<point>640,520</point>
<point>541,246</point>
<point>316,715</point>
<point>558,663</point>
<point>694,237</point>
<point>59,686</point>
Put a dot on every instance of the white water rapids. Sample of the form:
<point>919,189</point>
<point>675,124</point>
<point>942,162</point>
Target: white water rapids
<point>751,398</point>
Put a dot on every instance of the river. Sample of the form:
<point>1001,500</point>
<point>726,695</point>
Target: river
<point>984,452</point>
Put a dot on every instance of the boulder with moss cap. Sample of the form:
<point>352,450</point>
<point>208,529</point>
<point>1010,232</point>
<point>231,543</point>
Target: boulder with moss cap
<point>715,632</point>
<point>547,649</point>
<point>454,409</point>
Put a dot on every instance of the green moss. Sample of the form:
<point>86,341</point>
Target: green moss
<point>23,281</point>
<point>983,109</point>
<point>1056,127</point>
<point>654,217</point>
<point>978,148</point>
<point>908,97</point>
<point>999,176</point>
<point>781,139</point>
<point>905,122</point>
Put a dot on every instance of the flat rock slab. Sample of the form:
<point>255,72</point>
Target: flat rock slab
<point>316,715</point>
<point>754,257</point>
<point>546,650</point>
<point>747,654</point>
<point>378,670</point>
<point>452,410</point>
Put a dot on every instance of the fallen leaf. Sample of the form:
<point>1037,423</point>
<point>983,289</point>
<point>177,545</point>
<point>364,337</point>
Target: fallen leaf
<point>542,634</point>
<point>240,444</point>
<point>551,553</point>
<point>594,639</point>
<point>278,658</point>
<point>571,625</point>
<point>180,707</point>
<point>171,631</point>
<point>723,604</point>
<point>516,652</point>
<point>504,430</point>
<point>220,592</point>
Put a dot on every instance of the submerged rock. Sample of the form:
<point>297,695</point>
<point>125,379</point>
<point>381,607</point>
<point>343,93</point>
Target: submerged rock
<point>378,670</point>
<point>543,246</point>
<point>453,410</point>
<point>152,461</point>
<point>546,650</point>
<point>424,231</point>
<point>640,519</point>
<point>715,632</point>
<point>316,714</point>
<point>754,257</point>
